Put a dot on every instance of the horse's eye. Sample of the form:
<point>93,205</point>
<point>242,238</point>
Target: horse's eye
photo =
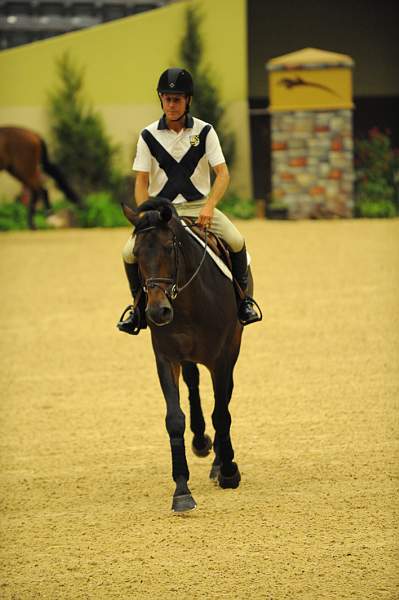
<point>169,248</point>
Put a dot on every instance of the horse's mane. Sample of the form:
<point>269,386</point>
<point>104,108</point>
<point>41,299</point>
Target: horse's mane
<point>154,212</point>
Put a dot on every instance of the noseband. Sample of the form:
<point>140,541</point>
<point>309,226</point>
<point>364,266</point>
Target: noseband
<point>173,289</point>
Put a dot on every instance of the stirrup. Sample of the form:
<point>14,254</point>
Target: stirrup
<point>255,317</point>
<point>131,324</point>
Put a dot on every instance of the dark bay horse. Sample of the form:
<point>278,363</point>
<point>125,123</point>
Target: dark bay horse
<point>23,153</point>
<point>192,314</point>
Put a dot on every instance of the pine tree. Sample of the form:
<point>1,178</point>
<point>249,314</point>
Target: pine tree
<point>80,142</point>
<point>206,103</point>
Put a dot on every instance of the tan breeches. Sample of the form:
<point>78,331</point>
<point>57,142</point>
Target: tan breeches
<point>220,226</point>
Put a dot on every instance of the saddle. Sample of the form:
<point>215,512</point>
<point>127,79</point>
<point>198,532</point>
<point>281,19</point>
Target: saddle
<point>218,247</point>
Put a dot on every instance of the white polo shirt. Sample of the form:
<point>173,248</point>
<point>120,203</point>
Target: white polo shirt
<point>177,145</point>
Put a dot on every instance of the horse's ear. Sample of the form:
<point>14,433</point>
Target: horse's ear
<point>130,214</point>
<point>166,213</point>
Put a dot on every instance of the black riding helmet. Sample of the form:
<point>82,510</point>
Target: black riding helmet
<point>176,81</point>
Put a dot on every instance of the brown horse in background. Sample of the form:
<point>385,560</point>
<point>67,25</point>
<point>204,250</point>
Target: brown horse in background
<point>23,153</point>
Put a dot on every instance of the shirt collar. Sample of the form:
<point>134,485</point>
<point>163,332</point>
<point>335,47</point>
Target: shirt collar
<point>189,124</point>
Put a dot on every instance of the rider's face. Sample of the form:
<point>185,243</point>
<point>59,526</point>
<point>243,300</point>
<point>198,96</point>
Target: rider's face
<point>174,105</point>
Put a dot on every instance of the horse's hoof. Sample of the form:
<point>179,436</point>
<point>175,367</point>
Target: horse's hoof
<point>230,481</point>
<point>215,472</point>
<point>205,450</point>
<point>183,503</point>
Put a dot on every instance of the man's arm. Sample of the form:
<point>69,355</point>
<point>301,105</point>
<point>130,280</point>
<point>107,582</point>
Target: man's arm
<point>219,187</point>
<point>141,187</point>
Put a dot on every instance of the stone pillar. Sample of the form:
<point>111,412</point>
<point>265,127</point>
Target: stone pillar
<point>312,142</point>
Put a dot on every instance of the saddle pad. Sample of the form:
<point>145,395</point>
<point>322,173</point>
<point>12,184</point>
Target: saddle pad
<point>218,261</point>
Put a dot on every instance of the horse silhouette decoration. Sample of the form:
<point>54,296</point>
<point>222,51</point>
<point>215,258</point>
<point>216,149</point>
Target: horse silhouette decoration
<point>23,153</point>
<point>191,311</point>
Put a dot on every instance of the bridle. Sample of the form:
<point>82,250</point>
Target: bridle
<point>173,289</point>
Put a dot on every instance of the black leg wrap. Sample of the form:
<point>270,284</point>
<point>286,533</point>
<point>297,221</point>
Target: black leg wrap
<point>197,421</point>
<point>179,461</point>
<point>191,378</point>
<point>226,450</point>
<point>202,445</point>
<point>231,479</point>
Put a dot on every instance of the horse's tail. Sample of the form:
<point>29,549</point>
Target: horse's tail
<point>54,171</point>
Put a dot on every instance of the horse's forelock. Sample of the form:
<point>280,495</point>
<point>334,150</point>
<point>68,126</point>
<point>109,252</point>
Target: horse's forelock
<point>149,218</point>
<point>152,213</point>
<point>156,204</point>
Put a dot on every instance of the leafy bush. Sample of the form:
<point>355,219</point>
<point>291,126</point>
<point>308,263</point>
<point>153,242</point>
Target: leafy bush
<point>236,207</point>
<point>80,142</point>
<point>377,171</point>
<point>12,216</point>
<point>101,211</point>
<point>376,210</point>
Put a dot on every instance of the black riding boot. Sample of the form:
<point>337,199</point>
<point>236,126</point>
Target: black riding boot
<point>135,319</point>
<point>246,312</point>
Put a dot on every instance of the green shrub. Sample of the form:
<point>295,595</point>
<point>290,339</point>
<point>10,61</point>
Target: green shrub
<point>382,209</point>
<point>101,211</point>
<point>376,182</point>
<point>40,219</point>
<point>376,190</point>
<point>237,208</point>
<point>81,144</point>
<point>12,216</point>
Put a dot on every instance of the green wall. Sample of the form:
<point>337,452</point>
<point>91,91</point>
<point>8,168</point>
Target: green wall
<point>122,61</point>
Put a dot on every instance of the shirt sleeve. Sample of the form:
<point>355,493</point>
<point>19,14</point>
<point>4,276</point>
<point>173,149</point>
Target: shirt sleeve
<point>213,149</point>
<point>142,162</point>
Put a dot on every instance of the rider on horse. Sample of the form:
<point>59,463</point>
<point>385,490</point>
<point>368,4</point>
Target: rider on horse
<point>172,161</point>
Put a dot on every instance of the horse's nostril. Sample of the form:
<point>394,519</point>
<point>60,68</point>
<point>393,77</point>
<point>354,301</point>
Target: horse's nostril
<point>160,315</point>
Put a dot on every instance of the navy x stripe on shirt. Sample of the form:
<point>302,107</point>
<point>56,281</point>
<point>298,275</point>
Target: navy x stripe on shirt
<point>178,172</point>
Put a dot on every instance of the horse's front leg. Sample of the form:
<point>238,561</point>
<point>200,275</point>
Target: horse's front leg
<point>168,373</point>
<point>202,443</point>
<point>228,475</point>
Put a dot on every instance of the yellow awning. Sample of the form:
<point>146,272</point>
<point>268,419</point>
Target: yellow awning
<point>309,58</point>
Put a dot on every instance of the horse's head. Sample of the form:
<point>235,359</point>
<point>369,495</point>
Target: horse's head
<point>156,255</point>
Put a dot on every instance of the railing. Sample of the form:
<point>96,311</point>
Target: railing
<point>24,22</point>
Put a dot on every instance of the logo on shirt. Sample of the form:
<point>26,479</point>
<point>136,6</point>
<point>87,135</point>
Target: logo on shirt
<point>194,140</point>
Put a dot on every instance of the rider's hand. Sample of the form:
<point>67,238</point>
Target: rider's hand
<point>205,217</point>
